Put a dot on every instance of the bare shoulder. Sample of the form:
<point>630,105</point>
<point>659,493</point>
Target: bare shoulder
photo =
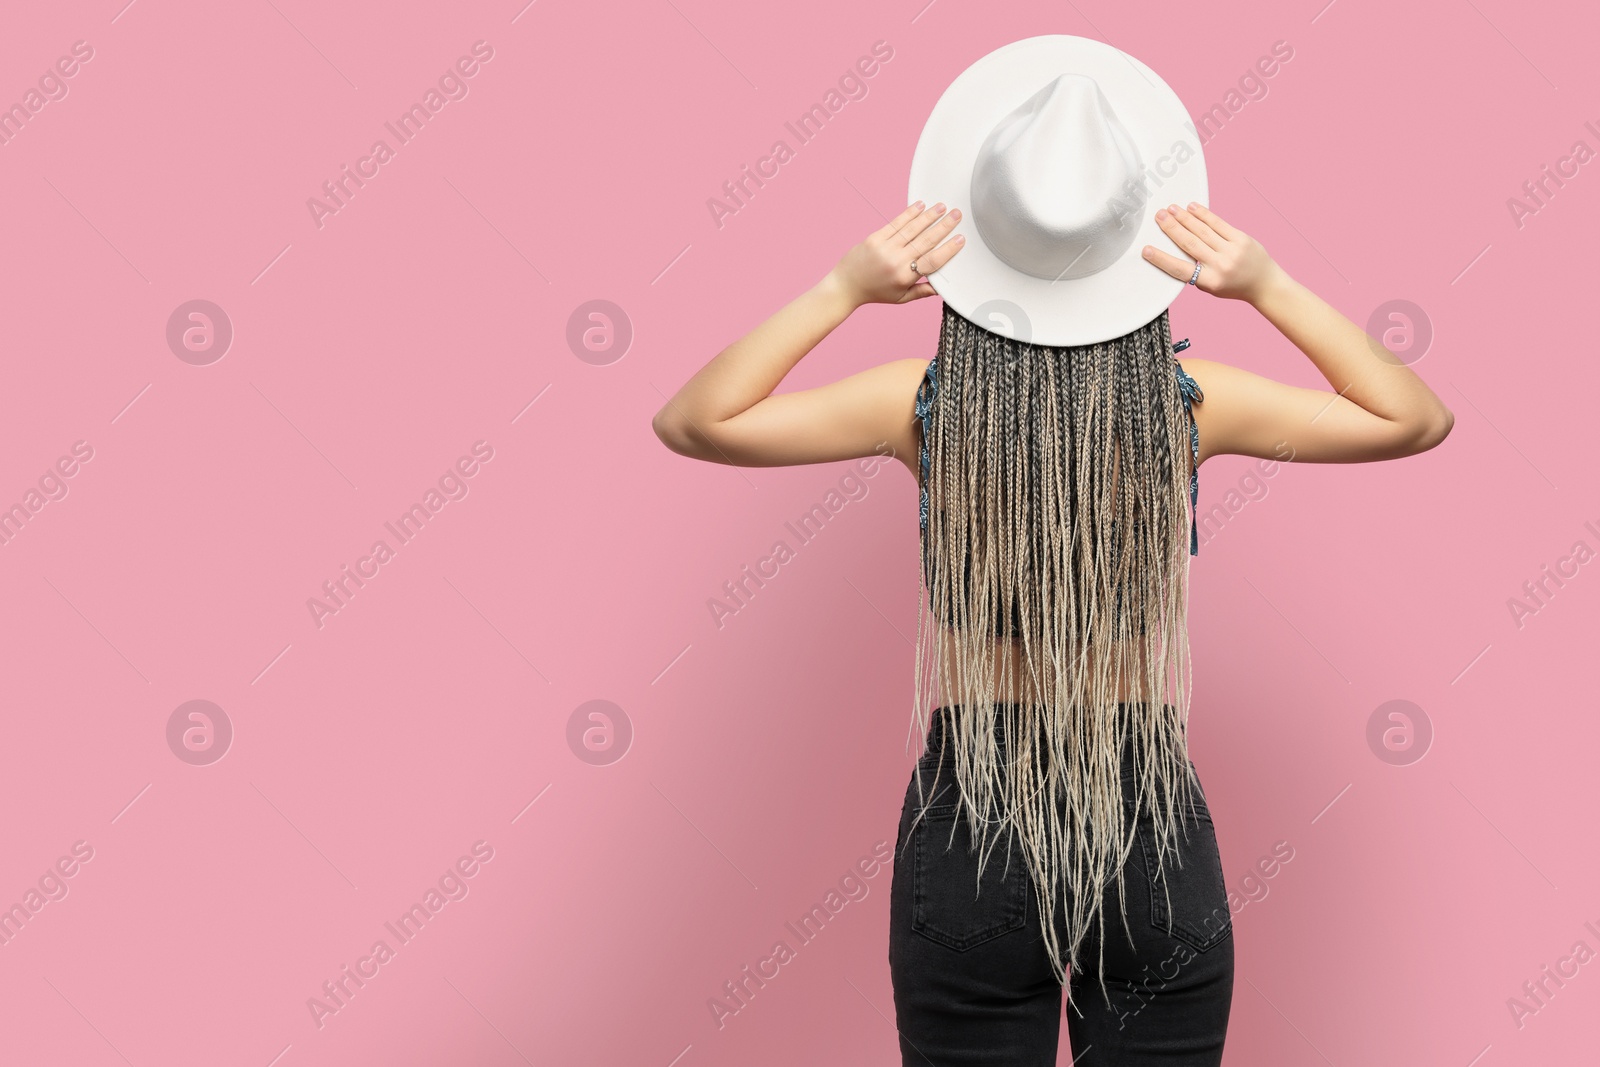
<point>901,379</point>
<point>1248,414</point>
<point>1240,412</point>
<point>1211,377</point>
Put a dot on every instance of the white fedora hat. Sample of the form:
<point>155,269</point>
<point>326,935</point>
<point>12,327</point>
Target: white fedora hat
<point>1058,150</point>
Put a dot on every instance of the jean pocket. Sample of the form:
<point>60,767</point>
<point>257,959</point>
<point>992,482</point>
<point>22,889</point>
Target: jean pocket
<point>951,904</point>
<point>1190,900</point>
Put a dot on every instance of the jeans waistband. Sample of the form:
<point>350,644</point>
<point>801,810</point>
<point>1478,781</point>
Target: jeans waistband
<point>1008,729</point>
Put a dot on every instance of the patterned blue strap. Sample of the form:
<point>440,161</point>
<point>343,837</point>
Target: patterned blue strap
<point>927,391</point>
<point>1190,389</point>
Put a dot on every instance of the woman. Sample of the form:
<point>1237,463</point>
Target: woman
<point>978,976</point>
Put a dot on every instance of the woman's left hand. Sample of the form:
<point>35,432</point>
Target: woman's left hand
<point>878,270</point>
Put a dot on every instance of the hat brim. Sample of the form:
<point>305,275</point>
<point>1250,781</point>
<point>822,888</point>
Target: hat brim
<point>976,283</point>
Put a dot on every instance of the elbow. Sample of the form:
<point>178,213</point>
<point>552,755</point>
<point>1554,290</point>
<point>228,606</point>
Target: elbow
<point>1434,431</point>
<point>665,425</point>
<point>672,430</point>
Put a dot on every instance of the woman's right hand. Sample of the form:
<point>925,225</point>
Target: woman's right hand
<point>878,270</point>
<point>1233,264</point>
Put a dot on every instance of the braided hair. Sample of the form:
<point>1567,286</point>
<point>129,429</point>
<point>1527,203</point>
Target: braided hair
<point>1056,524</point>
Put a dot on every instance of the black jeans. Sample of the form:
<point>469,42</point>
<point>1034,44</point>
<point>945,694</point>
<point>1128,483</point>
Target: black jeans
<point>973,985</point>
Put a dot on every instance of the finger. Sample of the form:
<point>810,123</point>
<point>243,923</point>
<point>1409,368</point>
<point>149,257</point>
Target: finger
<point>888,229</point>
<point>1183,237</point>
<point>935,233</point>
<point>929,262</point>
<point>913,227</point>
<point>1215,221</point>
<point>918,291</point>
<point>1198,227</point>
<point>1180,269</point>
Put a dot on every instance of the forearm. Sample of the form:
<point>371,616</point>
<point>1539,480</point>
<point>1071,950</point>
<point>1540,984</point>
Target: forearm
<point>1358,367</point>
<point>747,371</point>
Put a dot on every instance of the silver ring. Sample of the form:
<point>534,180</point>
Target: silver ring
<point>914,269</point>
<point>1196,274</point>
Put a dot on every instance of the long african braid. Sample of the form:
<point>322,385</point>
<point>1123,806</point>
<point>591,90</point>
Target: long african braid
<point>1055,484</point>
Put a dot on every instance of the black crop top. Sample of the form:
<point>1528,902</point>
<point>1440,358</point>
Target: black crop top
<point>928,390</point>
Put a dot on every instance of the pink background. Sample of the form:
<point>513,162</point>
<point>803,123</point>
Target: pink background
<point>768,755</point>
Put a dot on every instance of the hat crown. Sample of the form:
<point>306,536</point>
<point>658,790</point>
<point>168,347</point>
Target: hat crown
<point>1049,182</point>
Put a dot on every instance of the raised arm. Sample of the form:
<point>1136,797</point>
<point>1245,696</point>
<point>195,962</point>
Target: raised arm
<point>726,412</point>
<point>1378,408</point>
